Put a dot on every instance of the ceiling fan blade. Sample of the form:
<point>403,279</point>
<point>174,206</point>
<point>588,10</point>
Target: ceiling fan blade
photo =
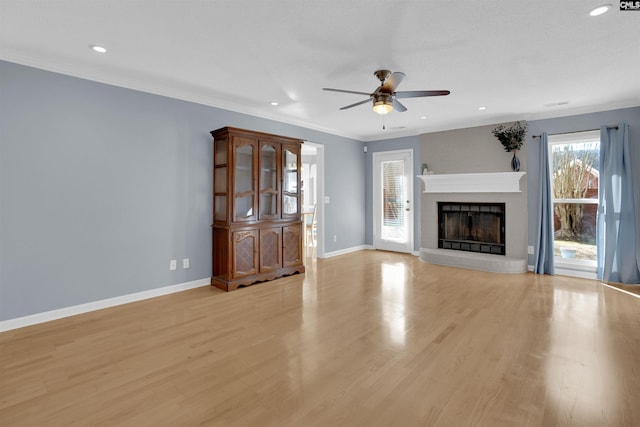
<point>392,82</point>
<point>398,106</point>
<point>346,91</point>
<point>356,104</point>
<point>419,93</point>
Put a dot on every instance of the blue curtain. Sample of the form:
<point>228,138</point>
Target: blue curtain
<point>544,239</point>
<point>617,219</point>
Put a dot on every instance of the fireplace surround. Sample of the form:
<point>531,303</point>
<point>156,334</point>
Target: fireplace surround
<point>506,188</point>
<point>472,227</point>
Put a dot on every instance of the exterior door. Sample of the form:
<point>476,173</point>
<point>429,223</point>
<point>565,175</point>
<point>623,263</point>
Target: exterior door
<point>393,201</point>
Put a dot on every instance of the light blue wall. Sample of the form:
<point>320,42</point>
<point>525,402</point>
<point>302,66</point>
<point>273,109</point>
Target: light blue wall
<point>409,142</point>
<point>101,186</point>
<point>575,124</point>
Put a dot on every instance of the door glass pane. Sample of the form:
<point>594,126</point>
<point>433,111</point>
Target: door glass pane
<point>268,168</point>
<point>220,180</point>
<point>575,168</point>
<point>244,168</point>
<point>268,205</point>
<point>290,204</point>
<point>244,207</point>
<point>221,208</point>
<point>268,181</point>
<point>290,172</point>
<point>393,202</point>
<point>221,152</point>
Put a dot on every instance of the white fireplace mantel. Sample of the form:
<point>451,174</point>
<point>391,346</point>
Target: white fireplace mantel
<point>495,182</point>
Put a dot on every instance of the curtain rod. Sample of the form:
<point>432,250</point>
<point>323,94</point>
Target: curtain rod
<point>566,133</point>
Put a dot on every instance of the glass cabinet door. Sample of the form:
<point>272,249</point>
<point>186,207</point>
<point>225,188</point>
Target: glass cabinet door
<point>244,182</point>
<point>290,181</point>
<point>268,203</point>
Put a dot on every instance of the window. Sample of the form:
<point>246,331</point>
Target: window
<point>393,209</point>
<point>575,164</point>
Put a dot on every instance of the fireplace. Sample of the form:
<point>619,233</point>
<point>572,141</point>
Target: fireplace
<point>473,227</point>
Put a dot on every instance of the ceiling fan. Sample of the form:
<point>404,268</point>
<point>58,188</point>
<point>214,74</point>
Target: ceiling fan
<point>385,97</point>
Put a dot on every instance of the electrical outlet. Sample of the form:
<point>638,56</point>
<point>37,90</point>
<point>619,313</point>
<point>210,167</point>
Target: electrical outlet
<point>173,264</point>
<point>185,263</point>
<point>530,250</point>
<point>335,238</point>
<point>326,200</point>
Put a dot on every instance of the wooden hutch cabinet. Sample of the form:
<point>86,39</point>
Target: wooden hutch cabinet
<point>257,218</point>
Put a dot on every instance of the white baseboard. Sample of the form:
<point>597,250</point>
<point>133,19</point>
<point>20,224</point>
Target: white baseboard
<point>576,268</point>
<point>358,248</point>
<point>21,322</point>
<point>348,250</point>
<point>575,273</point>
<point>562,270</point>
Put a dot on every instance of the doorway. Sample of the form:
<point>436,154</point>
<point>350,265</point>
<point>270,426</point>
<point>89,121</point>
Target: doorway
<point>393,201</point>
<point>312,200</point>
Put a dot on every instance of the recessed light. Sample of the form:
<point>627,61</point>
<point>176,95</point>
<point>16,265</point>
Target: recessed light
<point>482,108</point>
<point>274,103</point>
<point>423,117</point>
<point>600,10</point>
<point>98,49</point>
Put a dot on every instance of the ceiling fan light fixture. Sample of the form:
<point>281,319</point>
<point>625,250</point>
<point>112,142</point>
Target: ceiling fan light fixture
<point>383,104</point>
<point>382,108</point>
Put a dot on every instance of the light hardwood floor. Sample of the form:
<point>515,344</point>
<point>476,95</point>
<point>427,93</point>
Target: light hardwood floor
<point>364,339</point>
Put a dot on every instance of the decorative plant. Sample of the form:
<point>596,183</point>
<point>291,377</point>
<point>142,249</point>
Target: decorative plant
<point>511,137</point>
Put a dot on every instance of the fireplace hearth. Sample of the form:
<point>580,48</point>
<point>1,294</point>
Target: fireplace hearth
<point>472,227</point>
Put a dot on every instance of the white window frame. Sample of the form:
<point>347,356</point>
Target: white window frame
<point>573,267</point>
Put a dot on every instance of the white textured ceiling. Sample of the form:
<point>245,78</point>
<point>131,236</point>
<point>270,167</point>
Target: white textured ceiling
<point>511,56</point>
